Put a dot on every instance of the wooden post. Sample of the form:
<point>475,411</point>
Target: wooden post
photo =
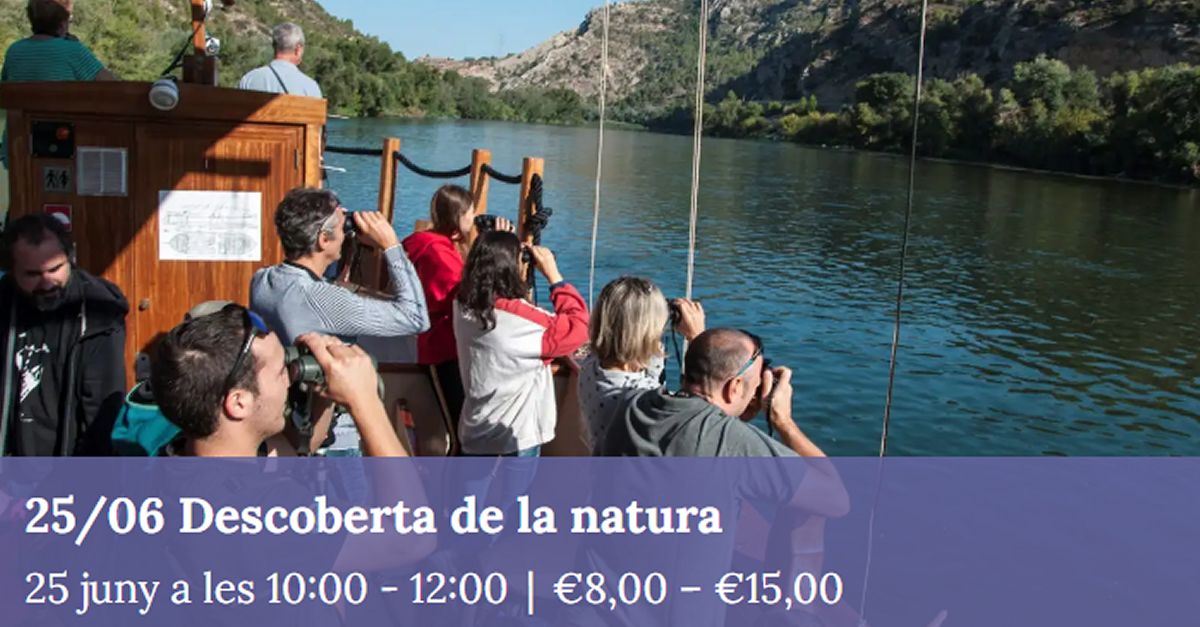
<point>198,67</point>
<point>372,272</point>
<point>529,167</point>
<point>479,193</point>
<point>387,178</point>
<point>200,36</point>
<point>479,180</point>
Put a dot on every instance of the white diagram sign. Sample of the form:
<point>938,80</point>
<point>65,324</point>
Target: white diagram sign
<point>209,226</point>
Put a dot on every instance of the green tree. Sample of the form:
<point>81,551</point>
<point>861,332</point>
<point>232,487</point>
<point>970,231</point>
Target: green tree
<point>882,113</point>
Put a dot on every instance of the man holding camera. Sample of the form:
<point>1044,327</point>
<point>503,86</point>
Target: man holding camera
<point>726,381</point>
<point>294,299</point>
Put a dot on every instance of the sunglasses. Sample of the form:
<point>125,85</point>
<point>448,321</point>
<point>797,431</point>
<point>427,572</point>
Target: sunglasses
<point>758,352</point>
<point>327,224</point>
<point>254,327</point>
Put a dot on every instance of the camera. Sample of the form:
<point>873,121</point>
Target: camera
<point>350,227</point>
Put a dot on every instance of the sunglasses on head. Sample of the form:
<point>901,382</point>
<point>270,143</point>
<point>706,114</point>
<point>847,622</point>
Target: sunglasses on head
<point>254,327</point>
<point>758,352</point>
<point>327,224</point>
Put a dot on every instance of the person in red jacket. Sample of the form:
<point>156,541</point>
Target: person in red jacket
<point>437,255</point>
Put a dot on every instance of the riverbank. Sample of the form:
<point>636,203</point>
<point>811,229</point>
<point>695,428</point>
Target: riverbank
<point>629,126</point>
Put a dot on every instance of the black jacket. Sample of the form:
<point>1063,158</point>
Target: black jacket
<point>85,336</point>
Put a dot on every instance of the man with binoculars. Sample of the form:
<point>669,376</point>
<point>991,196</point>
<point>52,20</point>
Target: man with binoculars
<point>295,299</point>
<point>223,379</point>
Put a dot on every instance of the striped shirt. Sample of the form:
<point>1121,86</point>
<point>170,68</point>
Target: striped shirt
<point>294,301</point>
<point>53,59</point>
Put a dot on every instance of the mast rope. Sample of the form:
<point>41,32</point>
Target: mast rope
<point>599,158</point>
<point>701,61</point>
<point>895,348</point>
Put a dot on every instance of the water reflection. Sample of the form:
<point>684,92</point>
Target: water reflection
<point>1044,315</point>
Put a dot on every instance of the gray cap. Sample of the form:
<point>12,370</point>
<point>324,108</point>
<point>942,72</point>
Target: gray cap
<point>206,308</point>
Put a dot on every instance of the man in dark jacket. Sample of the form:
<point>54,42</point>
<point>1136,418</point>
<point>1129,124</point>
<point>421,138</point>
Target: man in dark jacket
<point>62,337</point>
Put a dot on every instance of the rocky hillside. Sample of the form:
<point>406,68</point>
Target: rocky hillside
<point>786,49</point>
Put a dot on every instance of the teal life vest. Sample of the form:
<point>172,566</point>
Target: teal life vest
<point>141,429</point>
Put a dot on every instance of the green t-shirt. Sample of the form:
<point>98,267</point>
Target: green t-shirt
<point>53,59</point>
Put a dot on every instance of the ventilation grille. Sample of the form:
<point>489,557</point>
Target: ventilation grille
<point>102,171</point>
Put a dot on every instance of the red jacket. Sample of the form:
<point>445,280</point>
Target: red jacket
<point>440,269</point>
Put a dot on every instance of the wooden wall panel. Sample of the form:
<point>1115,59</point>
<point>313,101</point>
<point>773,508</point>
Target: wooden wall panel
<point>217,139</point>
<point>261,158</point>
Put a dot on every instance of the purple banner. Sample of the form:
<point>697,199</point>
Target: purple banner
<point>629,542</point>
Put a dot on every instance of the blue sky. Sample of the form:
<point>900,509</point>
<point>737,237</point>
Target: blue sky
<point>461,28</point>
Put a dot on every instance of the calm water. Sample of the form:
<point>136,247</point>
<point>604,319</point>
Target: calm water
<point>1044,315</point>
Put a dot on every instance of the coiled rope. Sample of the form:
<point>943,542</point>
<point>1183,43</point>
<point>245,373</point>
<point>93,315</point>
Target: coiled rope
<point>537,218</point>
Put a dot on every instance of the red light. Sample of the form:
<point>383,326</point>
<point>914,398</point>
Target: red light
<point>63,133</point>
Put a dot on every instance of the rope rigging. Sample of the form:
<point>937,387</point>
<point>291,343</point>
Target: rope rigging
<point>912,181</point>
<point>697,145</point>
<point>599,158</point>
<point>895,347</point>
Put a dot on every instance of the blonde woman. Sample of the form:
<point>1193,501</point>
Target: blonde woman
<point>627,350</point>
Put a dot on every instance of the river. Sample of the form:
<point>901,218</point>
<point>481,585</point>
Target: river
<point>1044,315</point>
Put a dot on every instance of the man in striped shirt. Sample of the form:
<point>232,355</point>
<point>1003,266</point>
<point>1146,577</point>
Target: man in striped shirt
<point>294,299</point>
<point>51,53</point>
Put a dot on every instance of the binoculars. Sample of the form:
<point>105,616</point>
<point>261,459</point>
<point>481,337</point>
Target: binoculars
<point>485,222</point>
<point>304,371</point>
<point>302,367</point>
<point>675,312</point>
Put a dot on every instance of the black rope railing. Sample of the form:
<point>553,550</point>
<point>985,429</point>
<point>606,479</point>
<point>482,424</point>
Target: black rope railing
<point>352,150</point>
<point>500,176</point>
<point>433,174</point>
<point>487,169</point>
